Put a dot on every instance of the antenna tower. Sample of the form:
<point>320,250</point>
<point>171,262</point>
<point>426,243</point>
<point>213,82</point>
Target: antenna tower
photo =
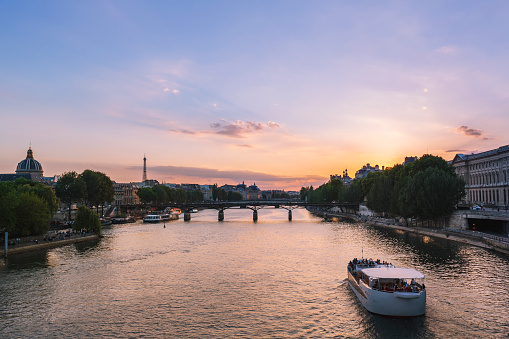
<point>144,168</point>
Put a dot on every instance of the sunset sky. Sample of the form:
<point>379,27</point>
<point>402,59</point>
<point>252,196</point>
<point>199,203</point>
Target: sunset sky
<point>281,93</point>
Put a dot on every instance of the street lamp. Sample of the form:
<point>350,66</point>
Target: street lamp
<point>6,241</point>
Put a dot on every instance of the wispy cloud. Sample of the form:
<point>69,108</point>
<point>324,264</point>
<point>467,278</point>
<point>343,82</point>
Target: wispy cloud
<point>215,106</point>
<point>456,151</point>
<point>447,50</point>
<point>174,91</point>
<point>237,129</point>
<point>184,131</point>
<point>471,132</point>
<point>232,176</point>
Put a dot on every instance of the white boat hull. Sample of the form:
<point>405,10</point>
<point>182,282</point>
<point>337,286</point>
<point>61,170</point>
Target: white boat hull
<point>394,304</point>
<point>167,217</point>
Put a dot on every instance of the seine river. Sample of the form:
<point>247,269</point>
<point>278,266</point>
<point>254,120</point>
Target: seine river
<point>239,279</point>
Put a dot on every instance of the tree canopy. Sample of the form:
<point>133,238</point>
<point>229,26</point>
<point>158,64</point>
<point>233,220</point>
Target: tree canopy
<point>71,188</point>
<point>26,207</point>
<point>86,219</point>
<point>427,189</point>
<point>99,188</point>
<point>162,194</point>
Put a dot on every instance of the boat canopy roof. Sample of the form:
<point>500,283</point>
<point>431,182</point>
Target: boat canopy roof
<point>393,273</point>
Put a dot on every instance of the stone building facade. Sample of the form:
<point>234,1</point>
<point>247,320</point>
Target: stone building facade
<point>486,176</point>
<point>125,194</point>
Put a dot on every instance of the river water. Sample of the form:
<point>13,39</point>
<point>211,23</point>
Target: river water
<point>240,279</point>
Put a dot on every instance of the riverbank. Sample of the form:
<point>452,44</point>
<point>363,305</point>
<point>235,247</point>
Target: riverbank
<point>31,245</point>
<point>479,240</point>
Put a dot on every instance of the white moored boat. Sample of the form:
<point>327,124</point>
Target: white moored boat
<point>387,290</point>
<point>160,217</point>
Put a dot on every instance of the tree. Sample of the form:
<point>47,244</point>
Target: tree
<point>197,196</point>
<point>304,192</point>
<point>234,196</point>
<point>379,197</point>
<point>221,194</point>
<point>9,200</point>
<point>369,181</point>
<point>99,188</point>
<point>214,192</point>
<point>160,192</point>
<point>106,190</point>
<point>353,193</point>
<point>86,219</point>
<point>427,161</point>
<point>146,195</point>
<point>91,179</point>
<point>70,188</point>
<point>42,191</point>
<point>427,188</point>
<point>332,189</point>
<point>32,215</point>
<point>434,193</point>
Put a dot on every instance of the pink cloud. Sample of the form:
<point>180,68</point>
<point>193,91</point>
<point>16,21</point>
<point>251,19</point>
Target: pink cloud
<point>471,132</point>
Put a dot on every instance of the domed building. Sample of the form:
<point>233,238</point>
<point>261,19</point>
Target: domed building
<point>28,168</point>
<point>253,192</point>
<point>29,165</point>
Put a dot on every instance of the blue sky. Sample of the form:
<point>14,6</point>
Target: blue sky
<point>281,93</point>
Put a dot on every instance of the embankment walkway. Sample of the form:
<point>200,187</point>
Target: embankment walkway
<point>28,244</point>
<point>499,244</point>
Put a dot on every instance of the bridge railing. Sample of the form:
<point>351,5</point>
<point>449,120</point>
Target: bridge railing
<point>478,234</point>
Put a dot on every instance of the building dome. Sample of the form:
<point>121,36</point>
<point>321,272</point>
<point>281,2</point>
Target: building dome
<point>29,165</point>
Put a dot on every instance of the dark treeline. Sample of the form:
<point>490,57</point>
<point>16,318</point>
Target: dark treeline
<point>163,194</point>
<point>281,195</point>
<point>90,187</point>
<point>426,189</point>
<point>26,207</point>
<point>219,194</point>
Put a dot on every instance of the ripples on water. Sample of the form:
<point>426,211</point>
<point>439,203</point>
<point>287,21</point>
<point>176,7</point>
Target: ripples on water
<point>273,278</point>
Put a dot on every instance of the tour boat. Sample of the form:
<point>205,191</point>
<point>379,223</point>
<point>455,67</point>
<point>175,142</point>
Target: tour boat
<point>386,290</point>
<point>160,217</point>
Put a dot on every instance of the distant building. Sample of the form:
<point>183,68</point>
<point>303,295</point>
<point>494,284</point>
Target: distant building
<point>409,160</point>
<point>126,193</point>
<point>366,169</point>
<point>207,192</point>
<point>241,187</point>
<point>486,176</point>
<point>228,188</point>
<point>267,194</point>
<point>345,178</point>
<point>252,193</point>
<point>248,193</point>
<point>190,187</point>
<point>294,194</point>
<point>149,183</point>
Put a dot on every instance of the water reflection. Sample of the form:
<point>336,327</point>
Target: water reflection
<point>237,278</point>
